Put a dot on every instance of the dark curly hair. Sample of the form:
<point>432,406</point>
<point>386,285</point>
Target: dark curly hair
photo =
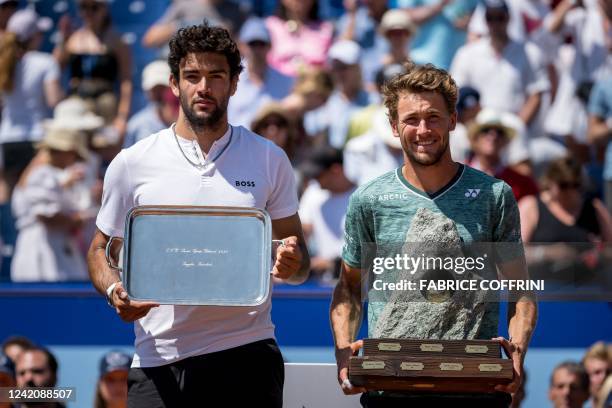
<point>203,38</point>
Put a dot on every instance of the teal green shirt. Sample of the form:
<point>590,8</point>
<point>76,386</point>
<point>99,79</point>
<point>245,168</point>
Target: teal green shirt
<point>482,209</point>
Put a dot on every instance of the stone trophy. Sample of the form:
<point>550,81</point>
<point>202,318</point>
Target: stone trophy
<point>404,353</point>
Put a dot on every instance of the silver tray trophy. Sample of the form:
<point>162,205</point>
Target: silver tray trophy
<point>188,255</point>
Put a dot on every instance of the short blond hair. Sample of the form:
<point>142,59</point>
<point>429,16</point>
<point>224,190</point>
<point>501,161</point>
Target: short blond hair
<point>418,79</point>
<point>598,351</point>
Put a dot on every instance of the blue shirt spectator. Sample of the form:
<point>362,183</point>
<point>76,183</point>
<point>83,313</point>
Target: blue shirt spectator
<point>332,119</point>
<point>259,83</point>
<point>442,29</point>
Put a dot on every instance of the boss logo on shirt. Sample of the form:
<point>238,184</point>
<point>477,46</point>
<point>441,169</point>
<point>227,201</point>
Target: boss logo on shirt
<point>243,183</point>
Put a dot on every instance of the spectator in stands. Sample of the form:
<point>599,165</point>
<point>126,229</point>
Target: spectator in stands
<point>312,88</point>
<point>112,390</point>
<point>525,23</point>
<point>605,394</point>
<point>489,136</point>
<point>7,9</point>
<point>7,372</point>
<point>442,28</point>
<point>398,29</point>
<point>161,110</point>
<point>374,150</point>
<point>323,208</point>
<point>259,83</point>
<point>569,385</point>
<point>468,106</point>
<point>299,38</point>
<point>600,129</point>
<point>561,213</point>
<point>330,122</point>
<point>29,88</point>
<point>99,62</point>
<point>587,23</point>
<point>360,23</point>
<point>15,345</point>
<point>597,363</point>
<point>500,69</point>
<point>37,367</point>
<point>273,123</point>
<point>47,219</point>
<point>7,377</point>
<point>179,14</point>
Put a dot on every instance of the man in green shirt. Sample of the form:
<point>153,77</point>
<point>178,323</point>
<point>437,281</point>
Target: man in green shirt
<point>429,196</point>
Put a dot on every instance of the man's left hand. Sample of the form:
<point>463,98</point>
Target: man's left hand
<point>288,258</point>
<point>516,355</point>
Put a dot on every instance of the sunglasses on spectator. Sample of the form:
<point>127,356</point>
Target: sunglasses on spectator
<point>496,18</point>
<point>94,7</point>
<point>274,122</point>
<point>9,5</point>
<point>257,43</point>
<point>498,132</point>
<point>569,186</point>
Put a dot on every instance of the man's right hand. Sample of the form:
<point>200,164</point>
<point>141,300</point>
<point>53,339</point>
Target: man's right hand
<point>129,310</point>
<point>343,356</point>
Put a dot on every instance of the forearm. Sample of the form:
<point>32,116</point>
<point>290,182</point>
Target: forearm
<point>599,132</point>
<point>420,15</point>
<point>558,16</point>
<point>522,318</point>
<point>345,313</point>
<point>159,34</point>
<point>100,273</point>
<point>125,98</point>
<point>530,107</point>
<point>60,221</point>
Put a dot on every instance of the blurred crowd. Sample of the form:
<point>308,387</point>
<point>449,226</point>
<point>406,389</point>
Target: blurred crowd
<point>25,364</point>
<point>535,108</point>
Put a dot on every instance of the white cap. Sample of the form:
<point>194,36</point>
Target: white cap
<point>490,118</point>
<point>346,51</point>
<point>25,23</point>
<point>397,19</point>
<point>73,114</point>
<point>155,73</point>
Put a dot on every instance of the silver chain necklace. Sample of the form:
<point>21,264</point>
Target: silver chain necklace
<point>198,165</point>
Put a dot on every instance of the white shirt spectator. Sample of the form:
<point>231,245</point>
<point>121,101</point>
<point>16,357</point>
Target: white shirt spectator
<point>504,82</point>
<point>587,60</point>
<point>25,107</point>
<point>249,171</point>
<point>42,253</point>
<point>325,212</point>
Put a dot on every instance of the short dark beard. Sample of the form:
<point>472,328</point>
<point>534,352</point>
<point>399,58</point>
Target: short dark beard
<point>419,162</point>
<point>197,123</point>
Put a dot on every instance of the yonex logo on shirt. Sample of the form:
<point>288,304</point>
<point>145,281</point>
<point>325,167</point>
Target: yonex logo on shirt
<point>472,192</point>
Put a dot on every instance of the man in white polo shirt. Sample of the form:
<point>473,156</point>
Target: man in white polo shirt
<point>192,355</point>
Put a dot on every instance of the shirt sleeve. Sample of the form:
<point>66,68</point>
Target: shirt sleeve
<point>43,193</point>
<point>598,105</point>
<point>53,71</point>
<point>172,15</point>
<point>536,75</point>
<point>507,232</point>
<point>356,232</point>
<point>283,201</point>
<point>460,67</point>
<point>117,198</point>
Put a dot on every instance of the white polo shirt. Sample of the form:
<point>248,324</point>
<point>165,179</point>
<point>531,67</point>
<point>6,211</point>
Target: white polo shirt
<point>247,171</point>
